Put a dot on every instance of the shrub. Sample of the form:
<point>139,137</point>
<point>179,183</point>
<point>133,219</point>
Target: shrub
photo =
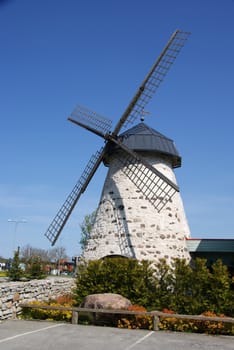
<point>197,326</point>
<point>128,277</point>
<point>136,321</point>
<point>46,314</point>
<point>183,288</point>
<point>192,289</point>
<point>35,268</point>
<point>186,289</point>
<point>15,272</point>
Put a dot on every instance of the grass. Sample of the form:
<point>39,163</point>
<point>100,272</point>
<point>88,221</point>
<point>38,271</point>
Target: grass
<point>3,273</point>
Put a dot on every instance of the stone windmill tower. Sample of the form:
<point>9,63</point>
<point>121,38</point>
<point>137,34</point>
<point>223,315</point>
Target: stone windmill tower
<point>140,213</point>
<point>127,223</point>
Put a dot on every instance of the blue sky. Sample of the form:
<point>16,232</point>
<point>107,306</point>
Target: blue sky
<point>56,53</point>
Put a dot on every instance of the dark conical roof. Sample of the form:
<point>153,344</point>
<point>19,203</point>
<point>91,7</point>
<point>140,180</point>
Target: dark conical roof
<point>143,138</point>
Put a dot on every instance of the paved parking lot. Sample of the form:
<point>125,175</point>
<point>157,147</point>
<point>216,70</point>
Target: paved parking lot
<point>36,335</point>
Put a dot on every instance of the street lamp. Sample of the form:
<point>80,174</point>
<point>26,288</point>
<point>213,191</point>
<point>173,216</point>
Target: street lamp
<point>16,222</point>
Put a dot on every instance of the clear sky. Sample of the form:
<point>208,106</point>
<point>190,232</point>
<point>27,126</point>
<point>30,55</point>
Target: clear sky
<point>55,54</point>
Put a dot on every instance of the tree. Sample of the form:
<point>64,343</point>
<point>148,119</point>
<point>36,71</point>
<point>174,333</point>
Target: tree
<point>163,280</point>
<point>35,268</point>
<point>199,286</point>
<point>129,277</point>
<point>86,228</point>
<point>220,293</point>
<point>28,252</point>
<point>57,253</point>
<point>180,289</point>
<point>184,288</point>
<point>15,272</point>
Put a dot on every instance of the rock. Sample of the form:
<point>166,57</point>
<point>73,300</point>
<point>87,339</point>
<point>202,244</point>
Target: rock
<point>105,301</point>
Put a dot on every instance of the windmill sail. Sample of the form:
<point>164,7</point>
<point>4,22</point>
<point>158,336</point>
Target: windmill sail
<point>156,187</point>
<point>90,120</point>
<point>153,80</point>
<point>62,216</point>
<point>153,184</point>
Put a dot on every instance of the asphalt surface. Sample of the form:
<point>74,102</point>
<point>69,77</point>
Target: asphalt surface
<point>34,335</point>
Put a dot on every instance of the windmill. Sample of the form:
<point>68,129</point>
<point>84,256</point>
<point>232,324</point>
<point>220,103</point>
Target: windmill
<point>140,213</point>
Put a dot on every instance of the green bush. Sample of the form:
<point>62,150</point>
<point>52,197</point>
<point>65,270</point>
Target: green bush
<point>184,288</point>
<point>15,272</point>
<point>47,314</point>
<point>128,277</point>
<point>197,326</point>
<point>34,268</point>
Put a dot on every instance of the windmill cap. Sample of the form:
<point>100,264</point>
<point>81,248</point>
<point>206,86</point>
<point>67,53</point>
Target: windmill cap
<point>142,138</point>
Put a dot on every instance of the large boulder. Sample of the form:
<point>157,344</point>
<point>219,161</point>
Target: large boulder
<point>106,301</point>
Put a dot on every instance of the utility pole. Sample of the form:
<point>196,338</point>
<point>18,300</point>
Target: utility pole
<point>16,224</point>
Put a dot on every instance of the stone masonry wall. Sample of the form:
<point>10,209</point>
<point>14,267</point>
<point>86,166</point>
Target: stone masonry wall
<point>127,224</point>
<point>14,293</point>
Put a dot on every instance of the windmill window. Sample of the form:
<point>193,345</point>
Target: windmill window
<point>121,207</point>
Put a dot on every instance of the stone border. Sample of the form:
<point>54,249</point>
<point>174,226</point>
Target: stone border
<point>14,293</point>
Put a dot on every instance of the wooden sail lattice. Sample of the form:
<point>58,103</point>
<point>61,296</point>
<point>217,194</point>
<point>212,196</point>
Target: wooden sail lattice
<point>91,119</point>
<point>157,189</point>
<point>155,186</point>
<point>154,78</point>
<point>63,214</point>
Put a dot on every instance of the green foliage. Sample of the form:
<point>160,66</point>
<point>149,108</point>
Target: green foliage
<point>139,321</point>
<point>220,293</point>
<point>35,268</point>
<point>3,273</point>
<point>189,287</point>
<point>86,228</point>
<point>128,277</point>
<point>184,288</point>
<point>197,326</point>
<point>48,314</point>
<point>15,272</point>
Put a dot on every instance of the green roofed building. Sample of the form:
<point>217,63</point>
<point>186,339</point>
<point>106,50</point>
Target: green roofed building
<point>212,249</point>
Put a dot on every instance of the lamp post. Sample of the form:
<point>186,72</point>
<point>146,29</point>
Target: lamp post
<point>16,223</point>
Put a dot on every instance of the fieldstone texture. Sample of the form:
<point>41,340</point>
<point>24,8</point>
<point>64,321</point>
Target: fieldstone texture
<point>128,225</point>
<point>106,301</point>
<point>14,293</point>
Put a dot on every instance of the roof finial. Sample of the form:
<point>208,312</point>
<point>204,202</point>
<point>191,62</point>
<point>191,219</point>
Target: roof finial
<point>143,113</point>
